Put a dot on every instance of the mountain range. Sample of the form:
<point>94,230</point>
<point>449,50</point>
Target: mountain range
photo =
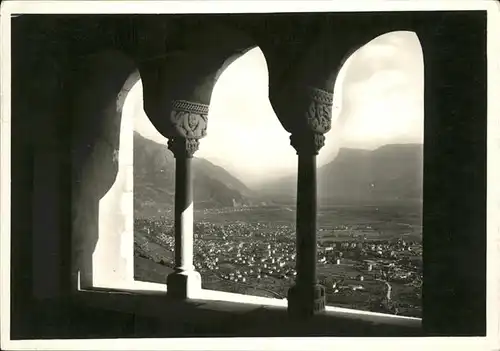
<point>154,181</point>
<point>390,173</point>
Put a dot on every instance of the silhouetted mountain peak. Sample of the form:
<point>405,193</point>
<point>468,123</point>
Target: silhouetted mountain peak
<point>154,180</point>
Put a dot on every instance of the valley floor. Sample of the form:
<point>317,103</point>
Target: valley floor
<point>251,250</point>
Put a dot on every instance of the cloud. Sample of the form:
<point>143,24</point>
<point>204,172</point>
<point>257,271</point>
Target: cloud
<point>382,93</point>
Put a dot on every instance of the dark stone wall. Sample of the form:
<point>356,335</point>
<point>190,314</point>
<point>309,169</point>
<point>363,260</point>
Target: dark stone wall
<point>454,218</point>
<point>96,111</point>
<point>44,60</point>
<point>35,86</point>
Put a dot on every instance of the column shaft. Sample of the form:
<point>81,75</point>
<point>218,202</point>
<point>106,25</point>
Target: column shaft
<point>183,214</point>
<point>306,297</point>
<point>184,282</point>
<point>306,220</point>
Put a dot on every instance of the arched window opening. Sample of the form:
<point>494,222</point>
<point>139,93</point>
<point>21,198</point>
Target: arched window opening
<point>115,220</point>
<point>370,179</point>
<point>154,190</point>
<point>244,232</point>
<point>103,204</point>
<point>246,238</point>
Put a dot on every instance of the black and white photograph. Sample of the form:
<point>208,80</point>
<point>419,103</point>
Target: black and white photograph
<point>250,175</point>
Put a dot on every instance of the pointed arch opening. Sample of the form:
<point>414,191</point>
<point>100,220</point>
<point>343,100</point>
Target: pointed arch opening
<point>246,239</point>
<point>370,180</point>
<point>102,204</point>
<point>245,148</point>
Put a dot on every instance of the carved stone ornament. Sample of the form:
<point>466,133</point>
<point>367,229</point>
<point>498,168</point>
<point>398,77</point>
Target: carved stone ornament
<point>189,118</point>
<point>319,113</point>
<point>182,147</point>
<point>307,143</point>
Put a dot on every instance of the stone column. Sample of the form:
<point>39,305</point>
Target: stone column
<point>190,120</point>
<point>307,297</point>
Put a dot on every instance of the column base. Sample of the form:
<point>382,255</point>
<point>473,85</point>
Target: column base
<point>183,284</point>
<point>306,301</point>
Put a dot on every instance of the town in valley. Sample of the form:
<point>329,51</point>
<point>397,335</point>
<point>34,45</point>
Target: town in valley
<point>367,255</point>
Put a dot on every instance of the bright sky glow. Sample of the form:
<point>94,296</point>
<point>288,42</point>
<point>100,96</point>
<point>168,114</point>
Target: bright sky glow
<point>378,100</point>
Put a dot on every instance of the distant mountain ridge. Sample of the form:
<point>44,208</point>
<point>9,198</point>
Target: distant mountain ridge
<point>154,181</point>
<point>390,173</point>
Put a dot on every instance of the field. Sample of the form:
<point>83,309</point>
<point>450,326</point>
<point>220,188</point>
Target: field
<point>385,222</point>
<point>373,289</point>
<point>274,214</point>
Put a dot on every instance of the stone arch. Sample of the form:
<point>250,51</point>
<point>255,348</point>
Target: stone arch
<point>192,71</point>
<point>204,93</point>
<point>227,61</point>
<point>368,167</point>
<point>318,69</point>
<point>231,59</point>
<point>342,69</point>
<point>351,53</point>
<point>102,161</point>
<point>272,145</point>
<point>198,94</point>
<point>102,166</point>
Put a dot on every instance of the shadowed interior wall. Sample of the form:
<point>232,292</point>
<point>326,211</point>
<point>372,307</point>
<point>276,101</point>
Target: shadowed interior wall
<point>39,167</point>
<point>103,172</point>
<point>454,220</point>
<point>42,87</point>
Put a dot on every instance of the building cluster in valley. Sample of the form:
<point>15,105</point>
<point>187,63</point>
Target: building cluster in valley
<point>263,255</point>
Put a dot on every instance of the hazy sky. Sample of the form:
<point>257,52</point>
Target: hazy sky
<point>378,100</point>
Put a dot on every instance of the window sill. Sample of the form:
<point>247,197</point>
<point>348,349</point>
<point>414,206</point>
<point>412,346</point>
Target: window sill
<point>253,314</point>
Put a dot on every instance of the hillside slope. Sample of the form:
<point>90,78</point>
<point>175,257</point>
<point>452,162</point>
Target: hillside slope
<point>154,181</point>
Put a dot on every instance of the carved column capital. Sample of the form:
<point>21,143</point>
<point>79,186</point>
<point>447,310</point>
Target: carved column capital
<point>182,147</point>
<point>308,138</point>
<point>190,122</point>
<point>319,111</point>
<point>189,119</point>
<point>307,143</point>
